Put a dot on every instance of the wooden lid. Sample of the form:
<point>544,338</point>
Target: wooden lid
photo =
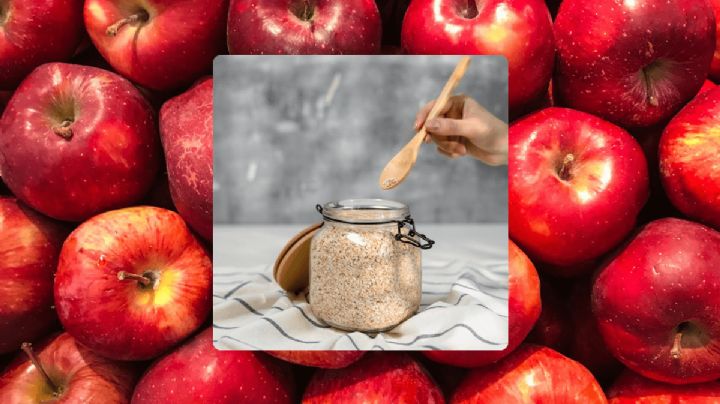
<point>292,266</point>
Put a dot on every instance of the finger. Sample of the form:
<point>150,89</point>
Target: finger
<point>456,149</point>
<point>453,108</point>
<point>491,159</point>
<point>453,149</point>
<point>446,153</point>
<point>422,114</point>
<point>472,108</point>
<point>457,145</point>
<point>466,128</point>
<point>456,106</point>
<point>460,149</point>
<point>451,144</point>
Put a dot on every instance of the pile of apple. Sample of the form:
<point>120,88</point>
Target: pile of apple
<point>106,218</point>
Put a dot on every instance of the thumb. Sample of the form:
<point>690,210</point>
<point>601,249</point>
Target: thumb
<point>453,127</point>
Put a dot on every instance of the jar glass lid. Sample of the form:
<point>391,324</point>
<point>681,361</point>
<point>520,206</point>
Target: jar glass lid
<point>365,210</point>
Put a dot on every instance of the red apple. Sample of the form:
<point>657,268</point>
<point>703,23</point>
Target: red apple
<point>634,63</point>
<point>657,305</point>
<point>304,27</point>
<point>132,282</point>
<point>390,377</point>
<point>531,374</point>
<point>659,205</point>
<point>631,388</point>
<point>688,152</point>
<point>523,308</point>
<point>320,359</point>
<point>186,130</point>
<point>577,183</point>
<point>715,65</point>
<point>29,249</point>
<point>36,32</point>
<point>521,30</point>
<point>160,44</point>
<point>649,139</point>
<point>63,371</point>
<point>211,376</point>
<point>78,141</point>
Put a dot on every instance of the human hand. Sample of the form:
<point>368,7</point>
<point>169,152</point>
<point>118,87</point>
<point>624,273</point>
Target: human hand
<point>464,127</point>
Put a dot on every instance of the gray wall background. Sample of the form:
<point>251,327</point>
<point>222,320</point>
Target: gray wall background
<point>294,131</point>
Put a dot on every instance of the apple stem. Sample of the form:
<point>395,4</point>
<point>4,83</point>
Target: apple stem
<point>307,13</point>
<point>652,100</point>
<point>675,351</point>
<point>303,10</point>
<point>564,172</point>
<point>64,130</point>
<point>647,80</point>
<point>471,10</point>
<point>113,29</point>
<point>122,275</point>
<point>3,12</point>
<point>27,348</point>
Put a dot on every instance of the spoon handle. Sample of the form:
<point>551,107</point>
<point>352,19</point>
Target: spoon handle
<point>452,82</point>
<point>442,100</point>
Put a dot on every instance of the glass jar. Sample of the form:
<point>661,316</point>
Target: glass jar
<point>365,265</point>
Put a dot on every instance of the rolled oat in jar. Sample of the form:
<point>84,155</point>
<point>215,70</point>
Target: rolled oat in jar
<point>365,265</point>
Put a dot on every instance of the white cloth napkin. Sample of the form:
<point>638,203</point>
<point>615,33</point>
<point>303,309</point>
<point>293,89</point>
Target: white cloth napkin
<point>464,307</point>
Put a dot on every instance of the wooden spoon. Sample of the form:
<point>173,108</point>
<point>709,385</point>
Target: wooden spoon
<point>399,167</point>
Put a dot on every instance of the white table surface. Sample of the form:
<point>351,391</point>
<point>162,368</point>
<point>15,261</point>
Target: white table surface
<point>250,245</point>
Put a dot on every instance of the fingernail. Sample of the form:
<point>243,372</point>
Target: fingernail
<point>432,124</point>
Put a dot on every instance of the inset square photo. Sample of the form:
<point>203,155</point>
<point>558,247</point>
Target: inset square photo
<point>358,204</point>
